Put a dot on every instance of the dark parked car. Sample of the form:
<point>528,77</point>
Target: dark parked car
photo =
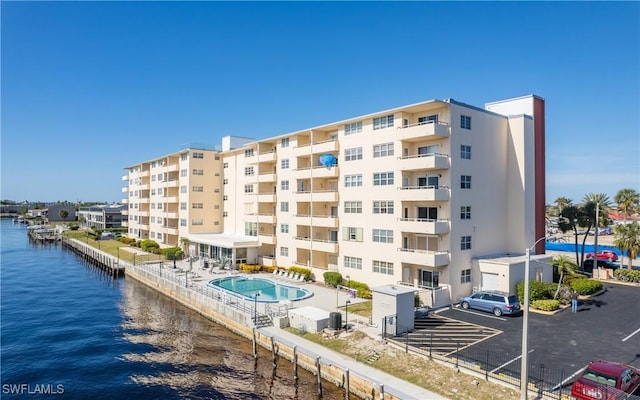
<point>496,302</point>
<point>587,265</point>
<point>605,380</point>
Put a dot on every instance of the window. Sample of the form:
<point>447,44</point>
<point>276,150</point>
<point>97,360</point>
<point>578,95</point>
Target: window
<point>284,142</point>
<point>352,234</point>
<point>465,122</point>
<point>225,214</point>
<point>216,207</point>
<point>382,236</point>
<point>383,178</point>
<point>196,205</point>
<point>383,122</point>
<point>383,207</point>
<point>248,171</point>
<point>153,192</point>
<point>183,189</point>
<point>198,155</point>
<point>352,180</point>
<point>353,154</point>
<point>352,262</point>
<point>465,152</point>
<point>428,119</point>
<point>225,165</point>
<point>465,243</point>
<point>353,207</point>
<point>465,212</point>
<point>198,171</point>
<point>248,153</point>
<point>184,157</point>
<point>183,222</point>
<point>196,221</point>
<point>198,189</point>
<point>153,220</point>
<point>284,206</point>
<point>383,267</point>
<point>284,164</point>
<point>251,228</point>
<point>216,222</point>
<point>284,251</point>
<point>216,190</point>
<point>225,181</point>
<point>352,128</point>
<point>183,173</point>
<point>284,185</point>
<point>382,150</point>
<point>465,276</point>
<point>159,177</point>
<point>465,182</point>
<point>248,188</point>
<point>183,206</point>
<point>284,228</point>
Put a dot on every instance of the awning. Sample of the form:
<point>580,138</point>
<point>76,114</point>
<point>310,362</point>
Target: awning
<point>225,240</point>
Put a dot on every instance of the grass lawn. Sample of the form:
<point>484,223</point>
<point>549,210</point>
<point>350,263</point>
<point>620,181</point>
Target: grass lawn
<point>112,247</point>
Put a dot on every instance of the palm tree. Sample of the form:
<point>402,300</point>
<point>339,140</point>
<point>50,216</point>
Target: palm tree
<point>570,218</point>
<point>627,238</point>
<point>562,202</point>
<point>185,242</point>
<point>564,266</point>
<point>628,201</point>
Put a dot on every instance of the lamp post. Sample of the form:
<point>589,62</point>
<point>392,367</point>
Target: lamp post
<point>255,307</point>
<point>525,323</point>
<point>346,315</point>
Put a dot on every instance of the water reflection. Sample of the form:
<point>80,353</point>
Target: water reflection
<point>198,359</point>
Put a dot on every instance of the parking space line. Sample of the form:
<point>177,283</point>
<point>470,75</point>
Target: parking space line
<point>509,362</point>
<point>479,314</point>
<point>629,337</point>
<point>570,378</point>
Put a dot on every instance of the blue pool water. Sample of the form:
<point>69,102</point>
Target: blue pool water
<point>269,291</point>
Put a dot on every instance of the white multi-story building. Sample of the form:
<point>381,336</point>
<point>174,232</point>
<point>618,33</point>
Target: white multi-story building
<point>438,195</point>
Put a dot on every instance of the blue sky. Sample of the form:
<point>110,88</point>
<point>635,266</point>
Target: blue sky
<point>91,87</point>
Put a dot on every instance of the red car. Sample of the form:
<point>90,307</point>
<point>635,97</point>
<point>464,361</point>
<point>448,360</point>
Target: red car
<point>605,380</point>
<point>607,255</point>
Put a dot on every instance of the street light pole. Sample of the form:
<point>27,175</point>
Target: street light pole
<point>525,323</point>
<point>346,315</point>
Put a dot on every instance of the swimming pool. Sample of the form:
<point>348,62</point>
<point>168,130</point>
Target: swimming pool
<point>270,291</point>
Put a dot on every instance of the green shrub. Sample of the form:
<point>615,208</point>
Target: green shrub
<point>537,290</point>
<point>546,305</point>
<point>586,287</point>
<point>570,278</point>
<point>149,245</point>
<point>172,253</point>
<point>268,268</point>
<point>332,278</point>
<point>74,227</point>
<point>362,289</point>
<point>627,275</point>
<point>302,271</point>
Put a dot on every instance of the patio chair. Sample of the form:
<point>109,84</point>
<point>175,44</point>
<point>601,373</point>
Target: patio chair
<point>275,272</point>
<point>301,278</point>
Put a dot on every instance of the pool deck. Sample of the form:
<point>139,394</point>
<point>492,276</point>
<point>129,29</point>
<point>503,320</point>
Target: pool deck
<point>328,299</point>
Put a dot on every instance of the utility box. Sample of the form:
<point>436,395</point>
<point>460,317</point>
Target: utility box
<point>393,309</point>
<point>309,319</point>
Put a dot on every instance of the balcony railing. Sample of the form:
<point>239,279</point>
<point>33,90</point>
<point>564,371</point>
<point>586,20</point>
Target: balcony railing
<point>429,226</point>
<point>424,161</point>
<point>422,130</point>
<point>429,258</point>
<point>424,193</point>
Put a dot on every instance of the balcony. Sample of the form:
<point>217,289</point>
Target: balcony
<point>125,177</point>
<point>144,227</point>
<point>142,186</point>
<point>125,224</point>
<point>424,161</point>
<point>420,131</point>
<point>266,218</point>
<point>327,246</point>
<point>266,197</point>
<point>318,195</point>
<point>171,215</point>
<point>171,183</point>
<point>266,157</point>
<point>319,171</point>
<point>420,225</point>
<point>267,238</point>
<point>424,257</point>
<point>424,193</point>
<point>172,168</point>
<point>326,221</point>
<point>170,199</point>
<point>125,189</point>
<point>317,147</point>
<point>172,231</point>
<point>267,177</point>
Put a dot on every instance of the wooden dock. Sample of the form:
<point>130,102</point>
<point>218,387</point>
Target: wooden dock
<point>43,233</point>
<point>106,262</point>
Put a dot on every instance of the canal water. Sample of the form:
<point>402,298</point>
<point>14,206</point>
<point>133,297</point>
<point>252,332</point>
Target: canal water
<point>69,329</point>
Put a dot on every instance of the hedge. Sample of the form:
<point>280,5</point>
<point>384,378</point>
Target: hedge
<point>586,286</point>
<point>537,290</point>
<point>362,289</point>
<point>250,268</point>
<point>302,271</point>
<point>332,278</point>
<point>546,305</point>
<point>627,275</point>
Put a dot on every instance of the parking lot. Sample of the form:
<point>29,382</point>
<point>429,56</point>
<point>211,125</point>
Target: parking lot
<point>606,326</point>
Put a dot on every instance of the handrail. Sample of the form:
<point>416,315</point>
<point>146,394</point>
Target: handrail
<point>422,187</point>
<point>423,155</point>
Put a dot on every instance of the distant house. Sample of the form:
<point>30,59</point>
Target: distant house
<point>101,216</point>
<point>37,212</point>
<point>619,218</point>
<point>61,213</point>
